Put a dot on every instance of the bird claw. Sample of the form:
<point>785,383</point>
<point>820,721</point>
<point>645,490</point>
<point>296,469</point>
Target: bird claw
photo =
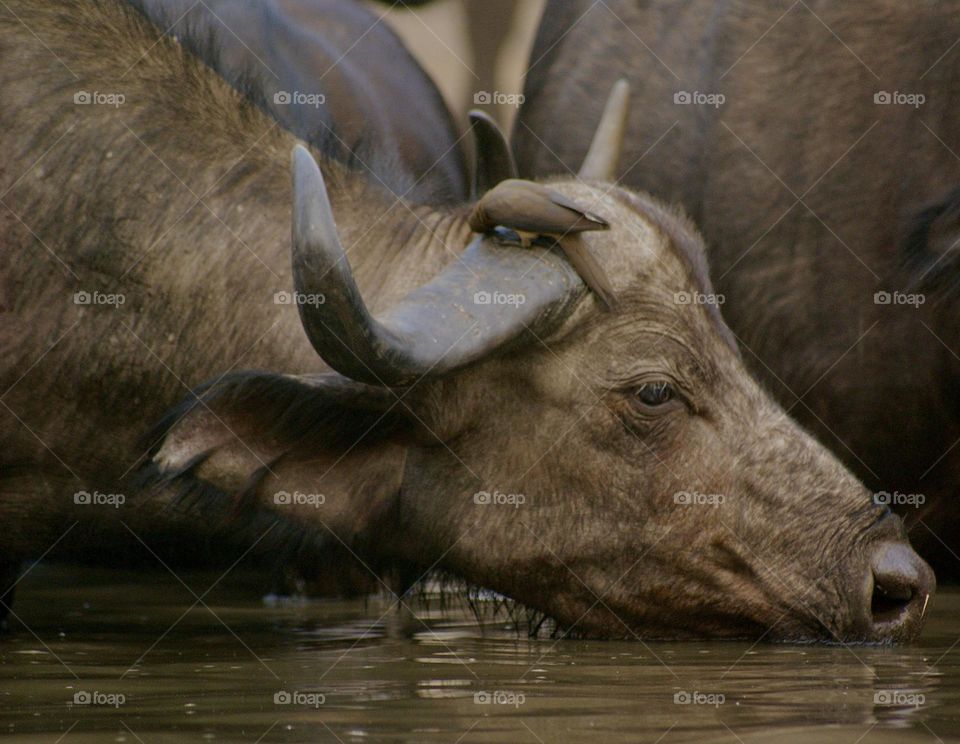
<point>544,241</point>
<point>505,236</point>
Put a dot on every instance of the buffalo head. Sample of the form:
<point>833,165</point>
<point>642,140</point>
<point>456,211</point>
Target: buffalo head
<point>617,470</point>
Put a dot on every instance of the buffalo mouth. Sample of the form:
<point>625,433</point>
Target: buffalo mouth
<point>899,587</point>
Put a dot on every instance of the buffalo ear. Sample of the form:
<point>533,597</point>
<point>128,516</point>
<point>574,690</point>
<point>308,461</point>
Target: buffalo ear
<point>254,441</point>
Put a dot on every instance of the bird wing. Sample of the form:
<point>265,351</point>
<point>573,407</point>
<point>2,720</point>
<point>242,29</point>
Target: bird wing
<point>597,222</point>
<point>589,269</point>
<point>527,206</point>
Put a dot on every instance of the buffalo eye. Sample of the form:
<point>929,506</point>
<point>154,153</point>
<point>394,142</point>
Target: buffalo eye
<point>655,394</point>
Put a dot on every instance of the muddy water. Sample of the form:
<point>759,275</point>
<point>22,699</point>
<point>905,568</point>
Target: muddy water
<point>237,669</point>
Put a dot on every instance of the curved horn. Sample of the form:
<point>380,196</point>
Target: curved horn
<point>603,157</point>
<point>494,161</point>
<point>439,327</point>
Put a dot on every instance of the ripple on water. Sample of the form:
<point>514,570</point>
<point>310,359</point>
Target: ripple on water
<point>360,671</point>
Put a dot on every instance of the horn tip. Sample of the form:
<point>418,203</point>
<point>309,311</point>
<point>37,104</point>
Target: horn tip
<point>620,96</point>
<point>303,163</point>
<point>298,152</point>
<point>603,155</point>
<point>478,115</point>
<point>494,158</point>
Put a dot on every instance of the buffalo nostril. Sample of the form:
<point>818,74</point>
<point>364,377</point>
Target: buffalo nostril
<point>902,584</point>
<point>888,602</point>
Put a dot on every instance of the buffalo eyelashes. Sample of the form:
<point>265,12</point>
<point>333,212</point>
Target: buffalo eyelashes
<point>655,394</point>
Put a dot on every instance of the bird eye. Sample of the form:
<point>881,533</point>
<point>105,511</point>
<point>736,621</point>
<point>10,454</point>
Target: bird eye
<point>655,393</point>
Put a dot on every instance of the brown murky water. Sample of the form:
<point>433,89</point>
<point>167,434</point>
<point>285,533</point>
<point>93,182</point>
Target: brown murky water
<point>242,670</point>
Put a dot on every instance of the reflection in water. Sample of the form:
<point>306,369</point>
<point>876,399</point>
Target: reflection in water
<point>116,657</point>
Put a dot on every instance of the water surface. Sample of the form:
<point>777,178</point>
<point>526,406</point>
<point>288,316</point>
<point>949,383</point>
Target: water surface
<point>159,667</point>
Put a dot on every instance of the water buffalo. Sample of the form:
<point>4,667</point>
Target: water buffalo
<point>818,147</point>
<point>335,75</point>
<point>458,403</point>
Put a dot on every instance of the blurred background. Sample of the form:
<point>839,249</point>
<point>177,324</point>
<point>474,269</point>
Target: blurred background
<point>471,47</point>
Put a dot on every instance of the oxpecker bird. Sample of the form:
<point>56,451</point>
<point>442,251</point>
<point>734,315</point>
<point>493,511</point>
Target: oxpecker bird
<point>532,211</point>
